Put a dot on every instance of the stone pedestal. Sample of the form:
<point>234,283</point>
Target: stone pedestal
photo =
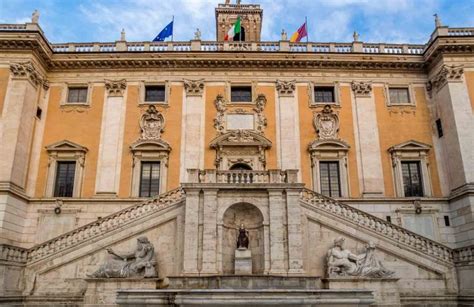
<point>385,290</point>
<point>243,262</point>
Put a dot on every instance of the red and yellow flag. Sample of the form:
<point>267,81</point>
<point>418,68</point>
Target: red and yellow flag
<point>298,35</point>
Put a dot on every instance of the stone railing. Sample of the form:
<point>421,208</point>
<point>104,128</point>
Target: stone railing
<point>12,253</point>
<point>106,224</point>
<point>464,255</point>
<point>242,176</point>
<point>12,27</point>
<point>362,219</point>
<point>460,31</point>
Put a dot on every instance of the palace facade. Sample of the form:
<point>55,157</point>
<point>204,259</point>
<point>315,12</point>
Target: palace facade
<point>185,142</point>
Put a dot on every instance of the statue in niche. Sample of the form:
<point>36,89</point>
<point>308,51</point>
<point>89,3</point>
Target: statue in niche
<point>243,238</point>
<point>140,263</point>
<point>152,124</point>
<point>342,262</point>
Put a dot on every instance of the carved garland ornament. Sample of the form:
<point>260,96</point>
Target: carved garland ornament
<point>194,87</point>
<point>286,88</point>
<point>361,88</point>
<point>26,70</point>
<point>446,74</point>
<point>326,124</point>
<point>152,124</point>
<point>220,104</point>
<point>115,88</point>
<point>259,107</point>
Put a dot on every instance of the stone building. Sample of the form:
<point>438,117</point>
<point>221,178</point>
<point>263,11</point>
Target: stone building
<point>298,144</point>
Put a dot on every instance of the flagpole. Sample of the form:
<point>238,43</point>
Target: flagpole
<point>240,32</point>
<point>172,32</point>
<point>307,29</point>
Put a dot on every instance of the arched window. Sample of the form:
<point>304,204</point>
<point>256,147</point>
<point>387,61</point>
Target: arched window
<point>240,36</point>
<point>240,167</point>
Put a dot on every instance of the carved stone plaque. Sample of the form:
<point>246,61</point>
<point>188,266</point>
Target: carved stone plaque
<point>240,121</point>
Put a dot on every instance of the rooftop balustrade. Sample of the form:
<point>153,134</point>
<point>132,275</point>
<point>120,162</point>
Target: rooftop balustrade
<point>214,46</point>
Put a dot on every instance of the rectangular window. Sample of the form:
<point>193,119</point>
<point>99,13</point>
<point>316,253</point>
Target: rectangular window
<point>77,95</point>
<point>412,182</point>
<point>154,93</point>
<point>329,178</point>
<point>149,179</point>
<point>324,94</point>
<point>399,95</point>
<point>389,218</point>
<point>439,127</point>
<point>65,173</point>
<point>241,94</point>
<point>446,221</point>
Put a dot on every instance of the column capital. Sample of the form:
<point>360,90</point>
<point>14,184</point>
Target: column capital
<point>115,88</point>
<point>447,73</point>
<point>286,88</point>
<point>194,87</point>
<point>361,88</point>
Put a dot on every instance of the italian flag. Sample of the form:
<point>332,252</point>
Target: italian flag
<point>235,29</point>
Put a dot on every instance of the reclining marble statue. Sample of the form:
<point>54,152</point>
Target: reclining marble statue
<point>139,263</point>
<point>342,262</point>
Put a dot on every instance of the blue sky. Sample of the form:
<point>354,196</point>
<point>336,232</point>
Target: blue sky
<point>392,21</point>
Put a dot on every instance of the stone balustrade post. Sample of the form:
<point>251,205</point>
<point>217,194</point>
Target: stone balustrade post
<point>193,175</point>
<point>284,46</point>
<point>196,45</point>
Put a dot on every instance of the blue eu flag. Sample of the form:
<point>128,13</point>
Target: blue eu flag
<point>166,32</point>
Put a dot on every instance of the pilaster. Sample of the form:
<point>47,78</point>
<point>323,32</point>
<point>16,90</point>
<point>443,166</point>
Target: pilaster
<point>111,139</point>
<point>367,141</point>
<point>295,234</point>
<point>191,232</point>
<point>277,231</point>
<point>193,127</point>
<point>289,125</point>
<point>209,239</point>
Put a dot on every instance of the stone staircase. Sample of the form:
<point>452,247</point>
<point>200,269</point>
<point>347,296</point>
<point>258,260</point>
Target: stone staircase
<point>398,235</point>
<point>100,227</point>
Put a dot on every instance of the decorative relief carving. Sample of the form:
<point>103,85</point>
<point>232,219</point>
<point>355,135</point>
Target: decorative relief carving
<point>342,262</point>
<point>446,74</point>
<point>259,107</point>
<point>115,88</point>
<point>139,263</point>
<point>361,88</point>
<point>326,124</point>
<point>152,124</point>
<point>194,87</point>
<point>241,136</point>
<point>26,70</point>
<point>219,121</point>
<point>286,88</point>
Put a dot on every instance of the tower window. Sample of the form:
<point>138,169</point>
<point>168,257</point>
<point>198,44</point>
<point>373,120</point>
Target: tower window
<point>65,173</point>
<point>412,183</point>
<point>447,223</point>
<point>324,94</point>
<point>241,94</point>
<point>330,178</point>
<point>149,179</point>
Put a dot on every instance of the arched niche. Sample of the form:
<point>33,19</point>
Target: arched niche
<point>252,218</point>
<point>240,167</point>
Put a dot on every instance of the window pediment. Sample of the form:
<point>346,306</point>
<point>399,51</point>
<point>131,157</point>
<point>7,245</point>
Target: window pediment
<point>150,145</point>
<point>241,138</point>
<point>328,145</point>
<point>66,146</point>
<point>410,146</point>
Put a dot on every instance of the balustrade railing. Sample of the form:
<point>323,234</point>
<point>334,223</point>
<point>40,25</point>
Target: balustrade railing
<point>13,253</point>
<point>400,235</point>
<point>460,31</point>
<point>241,176</point>
<point>106,224</point>
<point>464,254</point>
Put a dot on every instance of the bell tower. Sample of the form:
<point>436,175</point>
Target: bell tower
<point>251,16</point>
